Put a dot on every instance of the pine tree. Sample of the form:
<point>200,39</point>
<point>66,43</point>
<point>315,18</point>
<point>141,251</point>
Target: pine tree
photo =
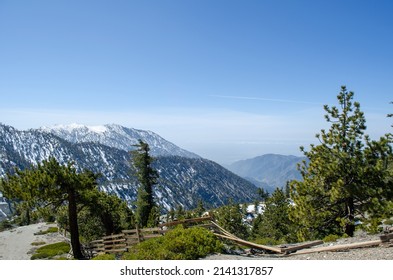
<point>346,178</point>
<point>230,217</point>
<point>147,177</point>
<point>200,209</point>
<point>274,222</point>
<point>112,212</point>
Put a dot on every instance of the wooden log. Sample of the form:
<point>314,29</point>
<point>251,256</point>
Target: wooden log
<point>250,244</point>
<point>225,232</point>
<point>339,247</point>
<point>294,248</point>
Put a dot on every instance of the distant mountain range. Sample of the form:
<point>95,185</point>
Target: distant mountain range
<point>268,171</point>
<point>185,178</point>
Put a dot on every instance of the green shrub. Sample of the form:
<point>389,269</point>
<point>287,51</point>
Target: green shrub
<point>51,250</point>
<point>5,225</point>
<point>330,238</point>
<point>49,230</point>
<point>389,222</point>
<point>372,226</point>
<point>177,244</point>
<point>39,243</point>
<point>105,257</point>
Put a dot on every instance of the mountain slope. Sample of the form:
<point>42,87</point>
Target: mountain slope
<point>269,171</point>
<point>183,180</point>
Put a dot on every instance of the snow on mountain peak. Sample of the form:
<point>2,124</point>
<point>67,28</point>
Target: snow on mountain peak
<point>75,126</point>
<point>117,136</point>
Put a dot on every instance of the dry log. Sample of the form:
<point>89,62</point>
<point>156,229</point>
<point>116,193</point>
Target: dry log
<point>250,244</point>
<point>339,247</point>
<point>225,232</point>
<point>295,248</point>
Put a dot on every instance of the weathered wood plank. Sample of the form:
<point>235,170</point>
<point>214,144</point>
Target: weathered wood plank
<point>96,241</point>
<point>186,221</point>
<point>115,241</point>
<point>149,229</point>
<point>114,236</point>
<point>129,231</point>
<point>123,245</point>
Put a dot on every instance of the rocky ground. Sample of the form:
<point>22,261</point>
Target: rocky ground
<point>384,252</point>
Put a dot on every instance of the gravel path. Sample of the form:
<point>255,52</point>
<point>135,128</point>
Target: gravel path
<point>15,244</point>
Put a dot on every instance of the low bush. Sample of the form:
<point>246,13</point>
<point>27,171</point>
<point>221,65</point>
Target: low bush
<point>49,230</point>
<point>331,238</point>
<point>177,244</point>
<point>4,225</point>
<point>39,243</point>
<point>51,250</point>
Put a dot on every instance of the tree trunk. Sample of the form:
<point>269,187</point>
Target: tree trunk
<point>350,213</point>
<point>109,226</point>
<point>73,222</point>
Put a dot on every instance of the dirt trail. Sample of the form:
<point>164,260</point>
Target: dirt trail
<point>15,244</point>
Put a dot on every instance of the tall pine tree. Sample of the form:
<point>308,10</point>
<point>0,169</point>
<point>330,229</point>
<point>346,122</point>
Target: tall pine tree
<point>147,177</point>
<point>346,178</point>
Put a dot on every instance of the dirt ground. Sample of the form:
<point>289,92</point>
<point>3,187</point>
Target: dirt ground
<point>16,244</point>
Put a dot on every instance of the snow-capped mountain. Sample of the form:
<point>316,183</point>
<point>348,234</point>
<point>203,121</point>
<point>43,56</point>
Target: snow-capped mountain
<point>183,180</point>
<point>119,137</point>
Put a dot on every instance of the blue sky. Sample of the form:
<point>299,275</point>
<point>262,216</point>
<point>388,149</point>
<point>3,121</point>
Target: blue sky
<point>228,80</point>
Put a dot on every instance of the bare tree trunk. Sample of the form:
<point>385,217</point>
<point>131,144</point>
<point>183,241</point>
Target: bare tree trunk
<point>73,222</point>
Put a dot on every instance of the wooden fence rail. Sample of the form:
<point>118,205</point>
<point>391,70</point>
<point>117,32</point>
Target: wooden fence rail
<point>118,243</point>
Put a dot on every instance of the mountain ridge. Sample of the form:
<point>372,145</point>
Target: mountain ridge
<point>183,180</point>
<point>269,170</point>
<point>117,136</point>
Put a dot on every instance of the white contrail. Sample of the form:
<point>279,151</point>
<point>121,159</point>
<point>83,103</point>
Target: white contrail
<point>265,99</point>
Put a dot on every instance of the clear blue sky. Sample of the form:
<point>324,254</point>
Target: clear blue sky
<point>225,79</point>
